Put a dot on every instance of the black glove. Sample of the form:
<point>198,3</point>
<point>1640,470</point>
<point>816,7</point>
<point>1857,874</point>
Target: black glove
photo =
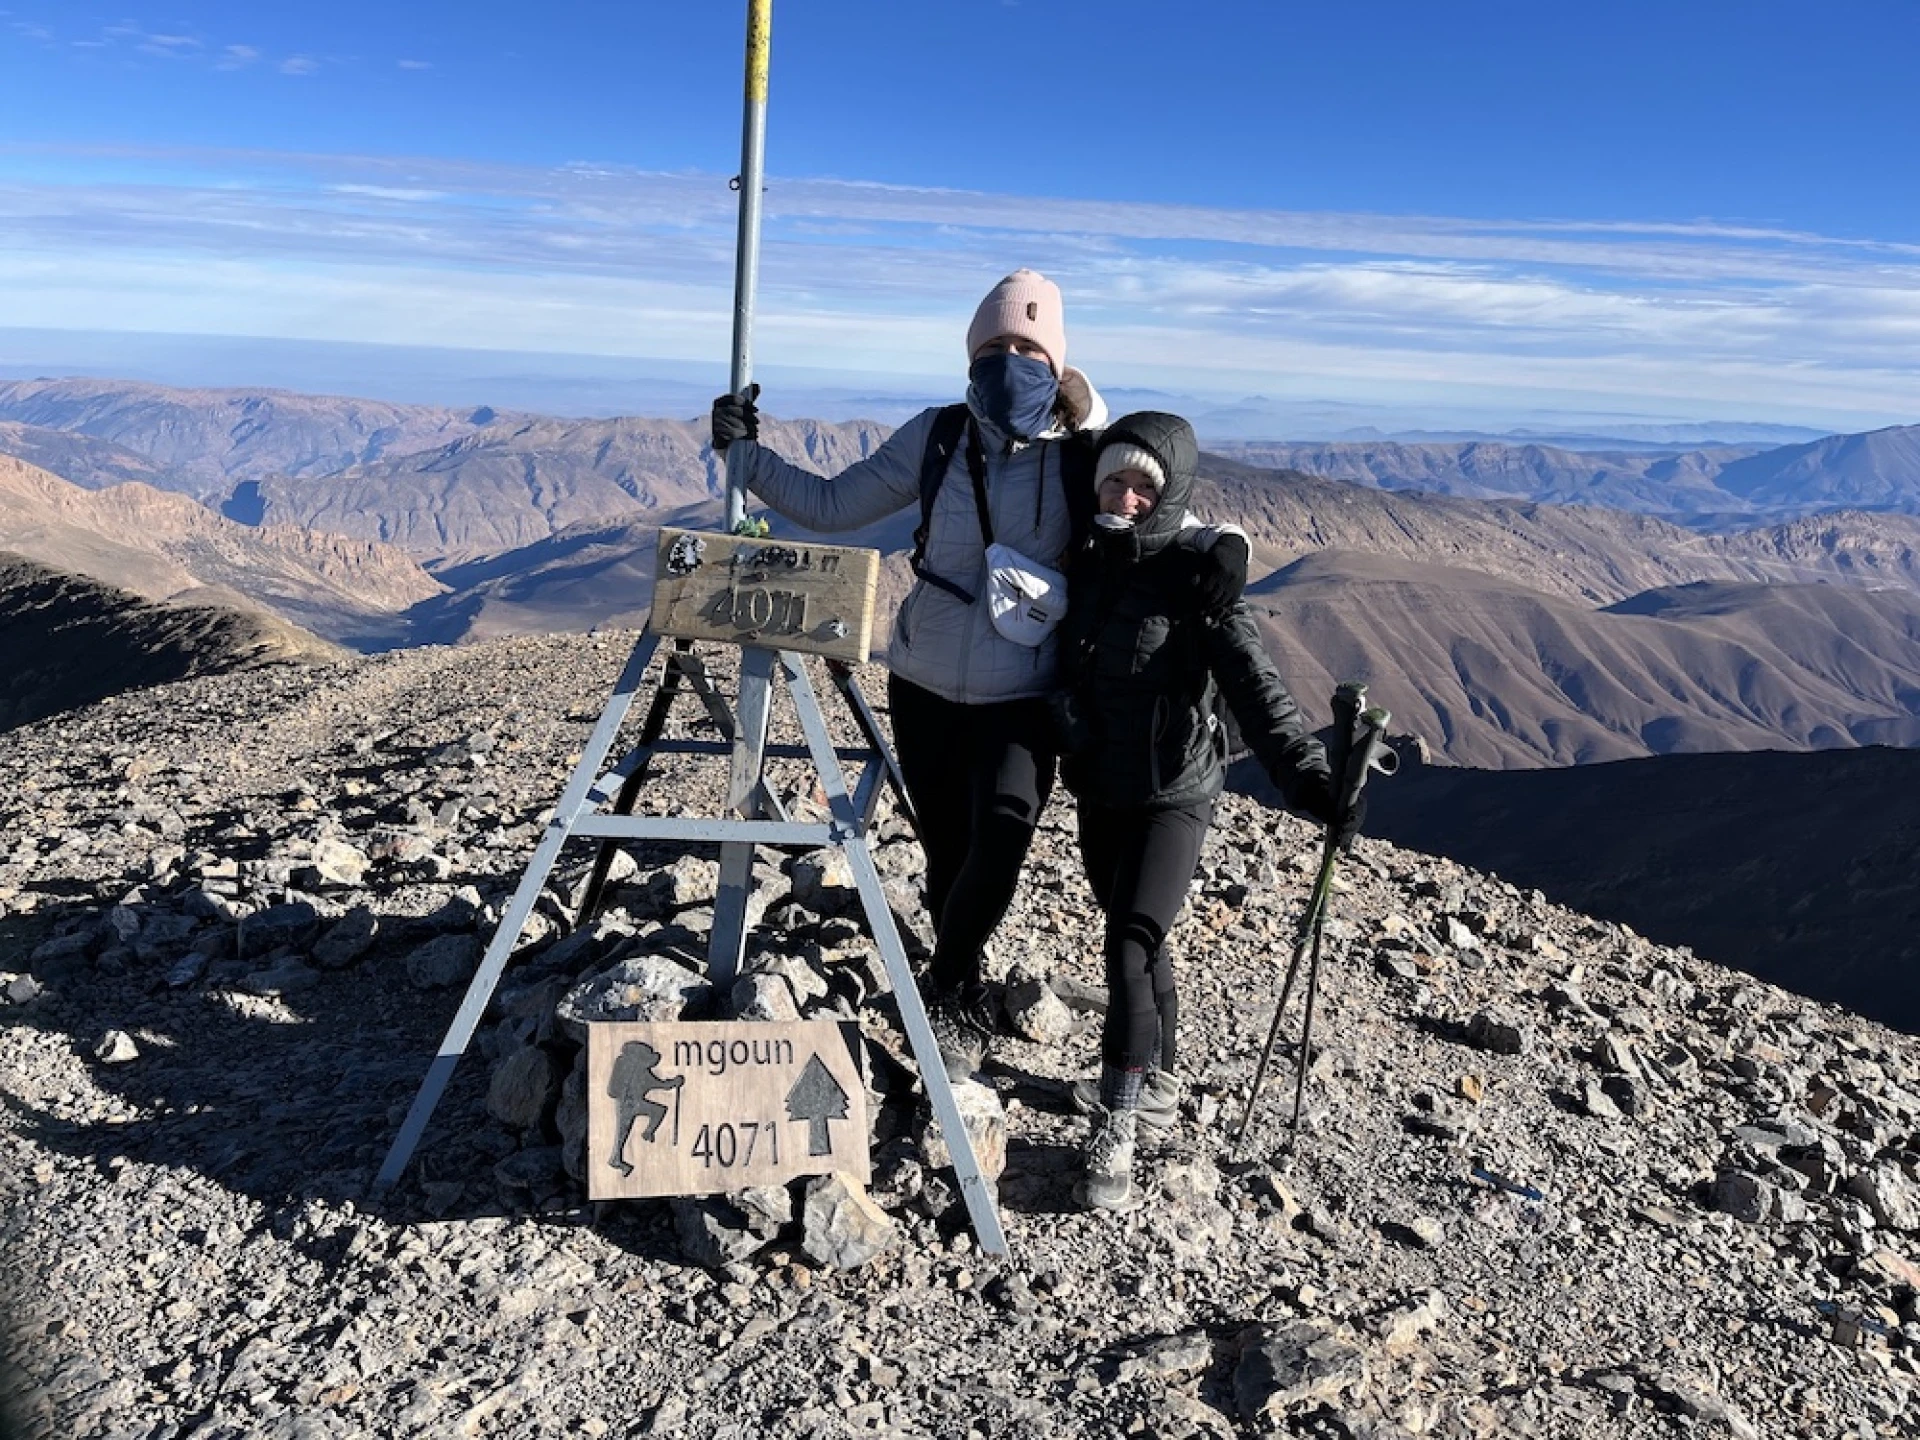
<point>735,417</point>
<point>1221,574</point>
<point>1315,798</point>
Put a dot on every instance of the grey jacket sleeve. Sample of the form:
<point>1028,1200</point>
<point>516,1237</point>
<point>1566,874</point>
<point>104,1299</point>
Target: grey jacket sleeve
<point>1270,722</point>
<point>866,491</point>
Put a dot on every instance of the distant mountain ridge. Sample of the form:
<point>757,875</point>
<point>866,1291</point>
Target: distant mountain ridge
<point>166,546</point>
<point>208,440</point>
<point>1879,470</point>
<point>1716,487</point>
<point>1649,482</point>
<point>1491,674</point>
<point>1492,615</point>
<point>67,641</point>
<point>515,483</point>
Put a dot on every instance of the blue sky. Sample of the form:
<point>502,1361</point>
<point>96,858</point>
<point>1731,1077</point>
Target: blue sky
<point>1434,213</point>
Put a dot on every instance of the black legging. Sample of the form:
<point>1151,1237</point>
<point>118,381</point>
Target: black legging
<point>979,776</point>
<point>1141,864</point>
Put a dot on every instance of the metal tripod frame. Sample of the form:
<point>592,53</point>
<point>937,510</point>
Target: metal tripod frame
<point>762,821</point>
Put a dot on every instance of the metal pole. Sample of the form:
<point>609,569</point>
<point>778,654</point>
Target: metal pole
<point>746,269</point>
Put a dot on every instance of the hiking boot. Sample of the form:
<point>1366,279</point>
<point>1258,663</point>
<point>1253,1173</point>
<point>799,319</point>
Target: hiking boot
<point>962,1021</point>
<point>1159,1100</point>
<point>1108,1183</point>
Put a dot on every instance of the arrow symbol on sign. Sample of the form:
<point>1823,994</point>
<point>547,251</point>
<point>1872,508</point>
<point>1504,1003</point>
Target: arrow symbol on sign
<point>816,1097</point>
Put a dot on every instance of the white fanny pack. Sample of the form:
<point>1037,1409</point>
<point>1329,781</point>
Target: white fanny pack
<point>1025,599</point>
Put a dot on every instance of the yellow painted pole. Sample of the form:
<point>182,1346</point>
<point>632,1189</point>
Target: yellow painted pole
<point>746,270</point>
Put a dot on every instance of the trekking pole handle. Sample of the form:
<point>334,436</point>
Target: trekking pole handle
<point>1372,753</point>
<point>1349,700</point>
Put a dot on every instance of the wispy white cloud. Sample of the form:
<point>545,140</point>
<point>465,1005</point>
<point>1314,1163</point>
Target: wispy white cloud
<point>415,64</point>
<point>1696,318</point>
<point>133,42</point>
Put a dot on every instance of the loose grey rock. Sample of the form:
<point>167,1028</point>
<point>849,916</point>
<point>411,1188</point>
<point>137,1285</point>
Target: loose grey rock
<point>1291,1368</point>
<point>1501,1037</point>
<point>116,1047</point>
<point>334,862</point>
<point>842,1227</point>
<point>823,882</point>
<point>1035,1011</point>
<point>347,939</point>
<point>986,1121</point>
<point>765,998</point>
<point>1893,1198</point>
<point>1744,1196</point>
<point>524,1088</point>
<point>711,1231</point>
<point>291,926</point>
<point>768,1209</point>
<point>641,987</point>
<point>444,962</point>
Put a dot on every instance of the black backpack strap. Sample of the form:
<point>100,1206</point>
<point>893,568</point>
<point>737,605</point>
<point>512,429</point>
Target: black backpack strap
<point>942,441</point>
<point>977,472</point>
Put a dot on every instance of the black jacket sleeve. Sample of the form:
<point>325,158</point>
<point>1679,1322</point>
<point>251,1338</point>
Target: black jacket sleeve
<point>1269,720</point>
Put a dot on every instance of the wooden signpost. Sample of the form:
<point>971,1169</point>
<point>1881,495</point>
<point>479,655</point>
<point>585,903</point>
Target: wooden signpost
<point>697,1109</point>
<point>780,593</point>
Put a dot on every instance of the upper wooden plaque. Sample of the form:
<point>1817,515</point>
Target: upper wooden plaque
<point>783,594</point>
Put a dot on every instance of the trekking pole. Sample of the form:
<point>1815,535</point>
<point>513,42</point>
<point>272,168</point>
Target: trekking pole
<point>1347,700</point>
<point>1307,937</point>
<point>746,267</point>
<point>1357,748</point>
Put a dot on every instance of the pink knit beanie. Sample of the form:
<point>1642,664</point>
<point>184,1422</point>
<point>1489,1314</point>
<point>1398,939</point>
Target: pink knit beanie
<point>1025,304</point>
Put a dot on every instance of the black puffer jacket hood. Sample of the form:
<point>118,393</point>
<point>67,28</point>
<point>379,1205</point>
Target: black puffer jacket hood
<point>1170,440</point>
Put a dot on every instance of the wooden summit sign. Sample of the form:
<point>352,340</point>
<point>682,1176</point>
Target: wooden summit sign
<point>699,1108</point>
<point>782,594</point>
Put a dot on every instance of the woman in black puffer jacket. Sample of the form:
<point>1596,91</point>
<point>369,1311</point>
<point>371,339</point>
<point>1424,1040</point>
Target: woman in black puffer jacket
<point>1147,647</point>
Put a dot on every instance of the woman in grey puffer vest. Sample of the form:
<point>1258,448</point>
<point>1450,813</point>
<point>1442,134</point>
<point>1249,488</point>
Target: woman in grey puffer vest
<point>968,706</point>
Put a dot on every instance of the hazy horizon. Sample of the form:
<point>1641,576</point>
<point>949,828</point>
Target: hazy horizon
<point>595,386</point>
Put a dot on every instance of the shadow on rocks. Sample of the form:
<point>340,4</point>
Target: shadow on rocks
<point>286,1098</point>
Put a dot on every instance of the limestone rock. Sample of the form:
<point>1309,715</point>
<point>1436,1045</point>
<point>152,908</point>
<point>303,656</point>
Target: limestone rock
<point>1035,1011</point>
<point>641,987</point>
<point>1292,1368</point>
<point>986,1121</point>
<point>823,881</point>
<point>525,1086</point>
<point>763,997</point>
<point>116,1047</point>
<point>350,937</point>
<point>444,962</point>
<point>843,1228</point>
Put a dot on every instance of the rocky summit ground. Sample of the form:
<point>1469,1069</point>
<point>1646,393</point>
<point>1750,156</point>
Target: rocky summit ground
<point>1554,1181</point>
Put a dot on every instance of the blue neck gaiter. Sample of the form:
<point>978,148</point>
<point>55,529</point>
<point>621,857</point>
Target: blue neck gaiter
<point>1013,392</point>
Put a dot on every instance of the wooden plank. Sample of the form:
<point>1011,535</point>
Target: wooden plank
<point>787,595</point>
<point>698,1109</point>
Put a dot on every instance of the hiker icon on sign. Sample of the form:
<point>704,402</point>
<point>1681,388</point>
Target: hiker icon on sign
<point>633,1081</point>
